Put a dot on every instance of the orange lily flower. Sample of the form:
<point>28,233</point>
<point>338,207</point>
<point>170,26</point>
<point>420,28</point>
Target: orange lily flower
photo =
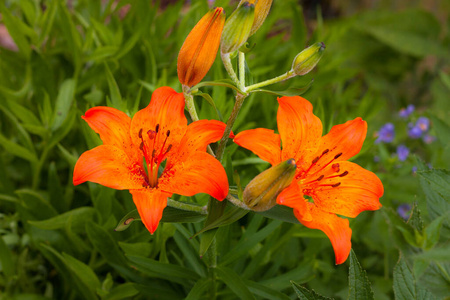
<point>200,48</point>
<point>156,133</point>
<point>325,184</point>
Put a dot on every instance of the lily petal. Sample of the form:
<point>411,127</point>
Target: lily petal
<point>337,229</point>
<point>359,190</point>
<point>109,166</point>
<point>263,142</point>
<point>292,197</point>
<point>299,129</point>
<point>113,126</point>
<point>150,204</point>
<point>166,109</point>
<point>343,141</point>
<point>201,173</point>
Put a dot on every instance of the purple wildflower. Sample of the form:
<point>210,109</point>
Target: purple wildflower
<point>414,169</point>
<point>405,112</point>
<point>402,152</point>
<point>386,133</point>
<point>428,138</point>
<point>423,123</point>
<point>404,210</point>
<point>414,131</point>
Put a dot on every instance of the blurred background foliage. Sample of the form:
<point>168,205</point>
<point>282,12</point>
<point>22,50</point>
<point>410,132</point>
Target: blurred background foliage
<point>59,58</point>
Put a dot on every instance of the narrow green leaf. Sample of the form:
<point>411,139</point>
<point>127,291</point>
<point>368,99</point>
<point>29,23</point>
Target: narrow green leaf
<point>198,289</point>
<point>441,254</point>
<point>38,207</point>
<point>231,215</point>
<point>280,212</point>
<point>16,30</point>
<point>289,92</point>
<point>123,291</point>
<point>17,149</point>
<point>84,273</point>
<point>264,291</point>
<point>234,282</point>
<point>78,216</point>
<point>405,286</point>
<point>210,100</point>
<point>6,260</point>
<point>442,130</point>
<point>302,274</point>
<point>114,91</point>
<point>305,294</point>
<point>165,271</point>
<point>415,220</point>
<point>126,221</point>
<point>223,82</point>
<point>47,20</point>
<point>433,230</point>
<point>63,102</point>
<point>205,241</point>
<point>359,284</point>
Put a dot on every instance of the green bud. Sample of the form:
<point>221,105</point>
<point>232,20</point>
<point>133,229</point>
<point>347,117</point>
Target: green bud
<point>261,193</point>
<point>237,28</point>
<point>306,60</point>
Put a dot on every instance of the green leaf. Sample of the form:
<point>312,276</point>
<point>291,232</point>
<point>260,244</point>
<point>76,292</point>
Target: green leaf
<point>114,91</point>
<point>6,260</point>
<point>153,268</point>
<point>38,207</point>
<point>210,100</point>
<point>442,130</point>
<point>280,212</point>
<point>302,274</point>
<point>441,254</point>
<point>47,20</point>
<point>198,289</point>
<point>223,82</point>
<point>433,230</point>
<point>305,294</point>
<point>206,240</point>
<point>17,149</point>
<point>264,291</point>
<point>16,30</point>
<point>405,286</point>
<point>84,273</point>
<point>415,219</point>
<point>359,284</point>
<point>289,92</point>
<point>123,291</point>
<point>231,215</point>
<point>63,104</point>
<point>78,217</point>
<point>234,282</point>
<point>126,221</point>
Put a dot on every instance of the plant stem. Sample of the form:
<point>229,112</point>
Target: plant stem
<point>242,68</point>
<point>237,202</point>
<point>280,78</point>
<point>234,113</point>
<point>187,207</point>
<point>189,100</point>
<point>229,67</point>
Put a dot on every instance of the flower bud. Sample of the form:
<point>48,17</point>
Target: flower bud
<point>306,60</point>
<point>237,28</point>
<point>200,47</point>
<point>262,8</point>
<point>261,193</point>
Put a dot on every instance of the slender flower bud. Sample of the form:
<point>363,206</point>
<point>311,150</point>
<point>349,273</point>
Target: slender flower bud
<point>306,60</point>
<point>261,193</point>
<point>200,47</point>
<point>237,28</point>
<point>262,8</point>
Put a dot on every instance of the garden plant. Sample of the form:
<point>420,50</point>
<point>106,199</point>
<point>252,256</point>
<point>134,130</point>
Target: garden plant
<point>251,149</point>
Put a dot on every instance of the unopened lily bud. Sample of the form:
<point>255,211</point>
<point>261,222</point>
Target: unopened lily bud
<point>306,60</point>
<point>261,193</point>
<point>200,47</point>
<point>262,8</point>
<point>237,28</point>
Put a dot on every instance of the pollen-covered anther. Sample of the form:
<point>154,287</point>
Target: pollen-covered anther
<point>337,155</point>
<point>335,167</point>
<point>320,178</point>
<point>336,185</point>
<point>343,174</point>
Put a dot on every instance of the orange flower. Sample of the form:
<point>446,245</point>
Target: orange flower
<point>325,184</point>
<point>200,48</point>
<point>156,133</point>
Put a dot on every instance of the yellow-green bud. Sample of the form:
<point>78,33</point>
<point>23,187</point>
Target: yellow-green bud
<point>237,28</point>
<point>261,193</point>
<point>262,8</point>
<point>306,60</point>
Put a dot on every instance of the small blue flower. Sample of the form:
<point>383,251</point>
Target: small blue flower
<point>386,133</point>
<point>405,112</point>
<point>423,123</point>
<point>414,169</point>
<point>404,211</point>
<point>414,131</point>
<point>402,152</point>
<point>428,139</point>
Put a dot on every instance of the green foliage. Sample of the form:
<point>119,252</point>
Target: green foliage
<point>58,241</point>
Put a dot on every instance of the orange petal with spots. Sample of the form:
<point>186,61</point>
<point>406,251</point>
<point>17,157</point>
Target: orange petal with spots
<point>337,230</point>
<point>299,129</point>
<point>150,204</point>
<point>343,141</point>
<point>292,196</point>
<point>359,190</point>
<point>113,126</point>
<point>109,166</point>
<point>200,173</point>
<point>200,48</point>
<point>166,109</point>
<point>263,142</point>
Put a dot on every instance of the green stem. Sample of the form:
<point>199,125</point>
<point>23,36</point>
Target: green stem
<point>229,67</point>
<point>242,68</point>
<point>190,106</point>
<point>234,113</point>
<point>237,202</point>
<point>280,78</point>
<point>187,207</point>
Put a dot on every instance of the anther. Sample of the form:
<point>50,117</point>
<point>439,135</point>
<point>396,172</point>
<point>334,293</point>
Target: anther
<point>141,146</point>
<point>168,148</point>
<point>343,174</point>
<point>325,151</point>
<point>168,133</point>
<point>315,160</point>
<point>336,185</point>
<point>320,178</point>
<point>338,155</point>
<point>140,133</point>
<point>157,128</point>
<point>335,167</point>
<point>153,153</point>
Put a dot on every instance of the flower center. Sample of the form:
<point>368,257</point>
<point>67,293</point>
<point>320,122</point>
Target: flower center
<point>154,152</point>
